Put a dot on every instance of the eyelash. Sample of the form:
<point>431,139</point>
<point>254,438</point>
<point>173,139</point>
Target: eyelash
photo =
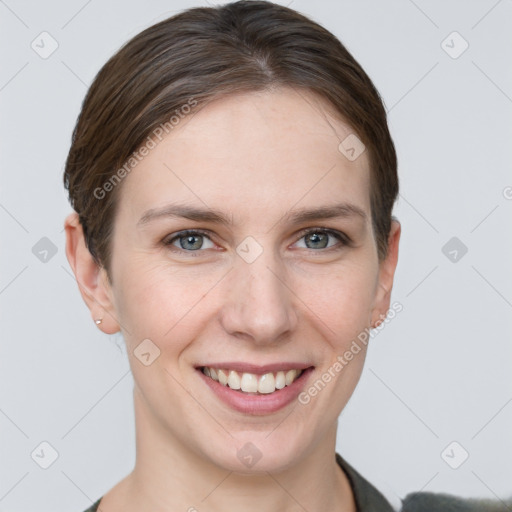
<point>342,238</point>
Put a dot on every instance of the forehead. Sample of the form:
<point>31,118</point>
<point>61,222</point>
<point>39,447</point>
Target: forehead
<point>255,153</point>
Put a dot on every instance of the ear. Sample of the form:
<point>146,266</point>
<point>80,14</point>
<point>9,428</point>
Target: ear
<point>386,275</point>
<point>91,278</point>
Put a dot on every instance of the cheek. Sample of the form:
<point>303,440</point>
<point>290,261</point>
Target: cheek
<point>155,301</point>
<point>167,304</point>
<point>342,297</point>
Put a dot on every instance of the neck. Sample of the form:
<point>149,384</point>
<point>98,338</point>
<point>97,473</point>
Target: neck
<point>170,476</point>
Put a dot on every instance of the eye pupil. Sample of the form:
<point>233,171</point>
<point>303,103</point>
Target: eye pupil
<point>195,241</point>
<point>319,240</point>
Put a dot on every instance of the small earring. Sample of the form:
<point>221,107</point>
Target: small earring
<point>98,322</point>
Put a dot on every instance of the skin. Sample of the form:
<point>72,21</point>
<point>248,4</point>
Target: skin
<point>255,157</point>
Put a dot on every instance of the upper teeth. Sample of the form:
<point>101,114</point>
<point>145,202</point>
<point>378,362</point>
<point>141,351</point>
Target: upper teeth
<point>250,382</point>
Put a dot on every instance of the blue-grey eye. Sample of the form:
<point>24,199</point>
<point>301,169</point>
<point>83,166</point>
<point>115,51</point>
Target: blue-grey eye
<point>320,239</point>
<point>191,241</point>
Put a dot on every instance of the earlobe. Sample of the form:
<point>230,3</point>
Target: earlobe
<point>90,277</point>
<point>387,269</point>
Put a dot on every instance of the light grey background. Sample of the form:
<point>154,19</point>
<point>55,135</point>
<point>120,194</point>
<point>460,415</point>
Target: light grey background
<point>438,373</point>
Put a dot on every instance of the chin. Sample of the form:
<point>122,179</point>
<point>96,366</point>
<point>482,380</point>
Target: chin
<point>254,453</point>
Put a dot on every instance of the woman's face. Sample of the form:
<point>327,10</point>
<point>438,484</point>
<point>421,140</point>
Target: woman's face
<point>287,279</point>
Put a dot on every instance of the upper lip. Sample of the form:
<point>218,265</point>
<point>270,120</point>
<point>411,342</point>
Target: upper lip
<point>255,368</point>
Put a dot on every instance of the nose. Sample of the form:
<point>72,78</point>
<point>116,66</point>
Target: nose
<point>259,304</point>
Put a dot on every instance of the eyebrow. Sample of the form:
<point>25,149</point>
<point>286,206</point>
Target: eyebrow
<point>343,210</point>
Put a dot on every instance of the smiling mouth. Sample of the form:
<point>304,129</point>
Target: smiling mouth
<point>251,383</point>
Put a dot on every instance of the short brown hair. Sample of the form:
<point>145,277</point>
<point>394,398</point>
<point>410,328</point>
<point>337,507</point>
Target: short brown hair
<point>205,53</point>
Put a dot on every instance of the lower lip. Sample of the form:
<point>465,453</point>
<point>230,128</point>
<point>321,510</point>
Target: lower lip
<point>258,404</point>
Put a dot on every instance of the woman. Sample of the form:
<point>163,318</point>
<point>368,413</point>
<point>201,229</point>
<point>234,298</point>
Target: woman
<point>233,179</point>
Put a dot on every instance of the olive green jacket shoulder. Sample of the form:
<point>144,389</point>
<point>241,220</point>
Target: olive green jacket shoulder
<point>369,499</point>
